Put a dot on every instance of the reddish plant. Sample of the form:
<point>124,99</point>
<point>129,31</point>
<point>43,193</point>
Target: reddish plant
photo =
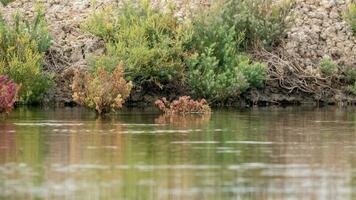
<point>103,92</point>
<point>183,105</point>
<point>183,121</point>
<point>8,94</point>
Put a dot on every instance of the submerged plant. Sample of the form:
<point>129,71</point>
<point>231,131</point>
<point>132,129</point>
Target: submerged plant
<point>101,91</point>
<point>8,94</point>
<point>183,121</point>
<point>184,105</point>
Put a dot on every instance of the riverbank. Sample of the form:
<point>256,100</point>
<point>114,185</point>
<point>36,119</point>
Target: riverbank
<point>317,30</point>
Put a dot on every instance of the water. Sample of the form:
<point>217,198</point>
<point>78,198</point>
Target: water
<point>285,153</point>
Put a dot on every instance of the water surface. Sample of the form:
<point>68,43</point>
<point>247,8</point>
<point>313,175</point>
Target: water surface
<point>284,153</point>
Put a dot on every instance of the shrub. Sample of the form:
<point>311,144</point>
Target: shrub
<point>183,105</point>
<point>8,94</point>
<point>5,2</point>
<point>184,121</point>
<point>102,91</point>
<point>21,56</point>
<point>215,82</point>
<point>219,70</point>
<point>262,21</point>
<point>350,16</point>
<point>327,66</point>
<point>352,88</point>
<point>350,74</point>
<point>150,42</point>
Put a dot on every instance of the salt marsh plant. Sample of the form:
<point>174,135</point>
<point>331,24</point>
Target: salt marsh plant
<point>101,91</point>
<point>8,94</point>
<point>22,47</point>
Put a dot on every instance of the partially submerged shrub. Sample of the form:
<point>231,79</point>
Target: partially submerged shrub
<point>184,105</point>
<point>21,55</point>
<point>8,94</point>
<point>149,41</point>
<point>219,70</point>
<point>350,16</point>
<point>327,66</point>
<point>101,91</point>
<point>183,121</point>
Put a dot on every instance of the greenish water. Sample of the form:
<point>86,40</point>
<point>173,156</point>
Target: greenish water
<point>294,153</point>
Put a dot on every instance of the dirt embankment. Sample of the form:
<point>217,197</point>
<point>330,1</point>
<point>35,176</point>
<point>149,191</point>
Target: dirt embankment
<point>318,30</point>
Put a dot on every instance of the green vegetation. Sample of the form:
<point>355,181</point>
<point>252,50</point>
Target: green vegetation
<point>350,74</point>
<point>350,16</point>
<point>350,77</point>
<point>261,21</point>
<point>220,69</point>
<point>352,88</point>
<point>21,55</point>
<point>150,43</point>
<point>5,2</point>
<point>328,67</point>
<point>207,52</point>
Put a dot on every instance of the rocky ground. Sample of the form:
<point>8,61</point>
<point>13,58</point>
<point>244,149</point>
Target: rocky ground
<point>317,31</point>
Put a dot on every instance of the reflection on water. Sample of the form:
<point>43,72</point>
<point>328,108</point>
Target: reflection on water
<point>261,154</point>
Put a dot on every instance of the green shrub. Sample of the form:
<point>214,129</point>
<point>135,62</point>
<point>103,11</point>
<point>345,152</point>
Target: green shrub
<point>327,66</point>
<point>352,88</point>
<point>218,70</point>
<point>21,56</point>
<point>5,2</point>
<point>350,77</point>
<point>262,21</point>
<point>350,74</point>
<point>150,42</point>
<point>350,16</point>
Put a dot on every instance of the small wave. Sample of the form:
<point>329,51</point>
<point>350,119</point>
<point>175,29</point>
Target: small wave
<point>102,147</point>
<point>142,125</point>
<point>195,142</point>
<point>180,167</point>
<point>47,124</point>
<point>248,142</point>
<point>75,167</point>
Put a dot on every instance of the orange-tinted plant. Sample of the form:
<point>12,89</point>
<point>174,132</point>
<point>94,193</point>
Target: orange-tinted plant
<point>183,105</point>
<point>102,92</point>
<point>8,94</point>
<point>184,121</point>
